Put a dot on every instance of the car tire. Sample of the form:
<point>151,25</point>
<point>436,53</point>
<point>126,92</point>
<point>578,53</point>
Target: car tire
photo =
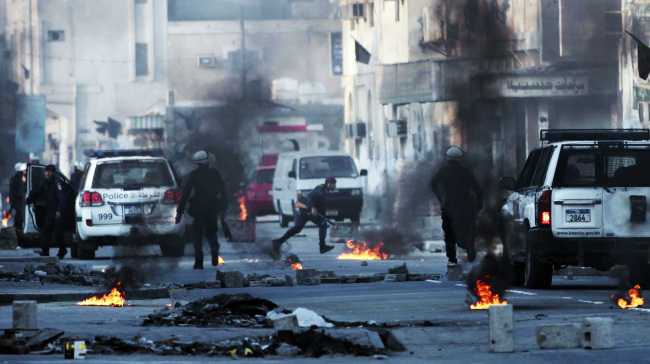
<point>284,220</point>
<point>85,254</point>
<point>518,268</point>
<point>538,275</point>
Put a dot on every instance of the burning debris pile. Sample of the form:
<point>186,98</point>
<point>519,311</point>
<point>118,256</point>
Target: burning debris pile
<point>633,299</point>
<point>292,261</point>
<point>488,282</point>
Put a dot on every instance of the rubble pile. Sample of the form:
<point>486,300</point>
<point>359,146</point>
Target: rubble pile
<point>55,273</point>
<point>223,310</point>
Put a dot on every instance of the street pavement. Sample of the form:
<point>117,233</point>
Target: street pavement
<point>431,319</point>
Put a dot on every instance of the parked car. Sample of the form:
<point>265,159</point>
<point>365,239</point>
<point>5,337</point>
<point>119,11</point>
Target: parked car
<point>580,200</point>
<point>298,173</point>
<point>128,193</point>
<point>259,192</point>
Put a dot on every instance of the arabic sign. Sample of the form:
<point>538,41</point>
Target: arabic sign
<point>537,86</point>
<point>336,48</point>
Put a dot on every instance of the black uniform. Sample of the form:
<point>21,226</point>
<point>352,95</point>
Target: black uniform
<point>315,198</point>
<point>75,179</point>
<point>208,202</point>
<point>453,186</point>
<point>17,200</point>
<point>55,201</point>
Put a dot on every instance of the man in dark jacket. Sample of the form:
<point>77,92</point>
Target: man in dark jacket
<point>17,196</point>
<point>313,210</point>
<point>209,200</point>
<point>453,185</point>
<point>55,203</point>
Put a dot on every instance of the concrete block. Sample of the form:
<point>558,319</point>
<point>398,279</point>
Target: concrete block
<point>395,278</point>
<point>274,282</point>
<point>502,333</point>
<point>326,280</point>
<point>232,280</point>
<point>455,273</point>
<point>312,281</point>
<point>287,323</point>
<point>560,336</point>
<point>598,333</point>
<point>398,269</point>
<point>25,315</point>
<point>303,274</point>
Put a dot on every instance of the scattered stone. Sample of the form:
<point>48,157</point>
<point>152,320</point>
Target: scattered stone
<point>399,269</point>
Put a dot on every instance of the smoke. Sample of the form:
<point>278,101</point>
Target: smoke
<point>494,271</point>
<point>396,241</point>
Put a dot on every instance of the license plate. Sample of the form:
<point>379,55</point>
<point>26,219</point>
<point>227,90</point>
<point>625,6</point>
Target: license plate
<point>331,212</point>
<point>132,209</point>
<point>578,215</point>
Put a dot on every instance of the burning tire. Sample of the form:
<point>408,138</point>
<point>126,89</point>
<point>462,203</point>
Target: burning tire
<point>538,275</point>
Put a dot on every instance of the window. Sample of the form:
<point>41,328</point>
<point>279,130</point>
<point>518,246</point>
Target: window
<point>141,61</point>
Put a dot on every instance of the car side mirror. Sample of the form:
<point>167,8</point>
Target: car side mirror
<point>363,172</point>
<point>292,174</point>
<point>507,183</point>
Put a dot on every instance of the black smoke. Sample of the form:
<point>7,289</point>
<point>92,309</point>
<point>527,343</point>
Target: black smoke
<point>494,271</point>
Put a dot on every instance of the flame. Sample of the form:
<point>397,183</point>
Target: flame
<point>221,260</point>
<point>296,266</point>
<point>634,298</point>
<point>115,299</point>
<point>363,251</point>
<point>484,291</point>
<point>242,206</point>
<point>169,305</point>
<point>5,218</point>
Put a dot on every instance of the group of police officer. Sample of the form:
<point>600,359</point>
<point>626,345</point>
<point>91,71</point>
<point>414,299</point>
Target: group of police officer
<point>454,185</point>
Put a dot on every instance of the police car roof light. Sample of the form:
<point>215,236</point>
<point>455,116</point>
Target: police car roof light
<point>558,135</point>
<point>127,153</point>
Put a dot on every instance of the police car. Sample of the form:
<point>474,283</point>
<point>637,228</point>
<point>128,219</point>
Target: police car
<point>128,197</point>
<point>580,200</point>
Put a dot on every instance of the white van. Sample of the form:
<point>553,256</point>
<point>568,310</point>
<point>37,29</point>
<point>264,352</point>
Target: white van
<point>298,173</point>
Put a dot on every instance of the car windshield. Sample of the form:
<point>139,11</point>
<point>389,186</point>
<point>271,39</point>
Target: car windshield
<point>591,166</point>
<point>321,167</point>
<point>263,176</point>
<point>132,174</point>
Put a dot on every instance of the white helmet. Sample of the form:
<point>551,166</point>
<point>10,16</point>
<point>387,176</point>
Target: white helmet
<point>201,157</point>
<point>19,167</point>
<point>454,153</point>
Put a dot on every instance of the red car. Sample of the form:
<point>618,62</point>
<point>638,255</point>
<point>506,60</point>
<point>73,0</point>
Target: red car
<point>259,200</point>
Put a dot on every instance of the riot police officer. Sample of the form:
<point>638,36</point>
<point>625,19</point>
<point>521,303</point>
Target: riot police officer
<point>314,210</point>
<point>460,198</point>
<point>17,196</point>
<point>208,202</point>
<point>55,203</point>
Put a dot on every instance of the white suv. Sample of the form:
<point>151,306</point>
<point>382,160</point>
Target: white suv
<point>128,194</point>
<point>580,200</point>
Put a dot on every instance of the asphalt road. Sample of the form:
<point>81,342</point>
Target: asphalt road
<point>433,317</point>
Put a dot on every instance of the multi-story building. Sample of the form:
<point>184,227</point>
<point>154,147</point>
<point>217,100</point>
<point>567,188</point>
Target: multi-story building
<point>483,75</point>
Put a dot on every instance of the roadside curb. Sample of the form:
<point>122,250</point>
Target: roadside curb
<point>49,297</point>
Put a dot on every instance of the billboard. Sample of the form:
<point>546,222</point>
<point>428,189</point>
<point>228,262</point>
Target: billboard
<point>30,123</point>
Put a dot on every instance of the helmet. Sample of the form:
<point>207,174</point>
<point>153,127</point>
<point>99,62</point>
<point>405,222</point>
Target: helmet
<point>201,157</point>
<point>454,153</point>
<point>50,167</point>
<point>330,179</point>
<point>18,167</point>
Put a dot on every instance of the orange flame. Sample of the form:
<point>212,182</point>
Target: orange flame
<point>221,260</point>
<point>296,266</point>
<point>242,206</point>
<point>635,299</point>
<point>488,299</point>
<point>115,299</point>
<point>5,219</point>
<point>363,252</point>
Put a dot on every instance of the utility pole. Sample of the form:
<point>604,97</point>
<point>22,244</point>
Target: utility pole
<point>243,53</point>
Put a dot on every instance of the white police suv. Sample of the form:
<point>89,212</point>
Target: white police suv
<point>580,200</point>
<point>128,197</point>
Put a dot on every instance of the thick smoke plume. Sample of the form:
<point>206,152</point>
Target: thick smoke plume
<point>494,271</point>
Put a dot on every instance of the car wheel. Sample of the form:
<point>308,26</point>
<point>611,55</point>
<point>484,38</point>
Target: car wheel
<point>74,250</point>
<point>284,220</point>
<point>538,275</point>
<point>85,254</point>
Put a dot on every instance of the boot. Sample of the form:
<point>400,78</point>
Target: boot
<point>215,256</point>
<point>198,260</point>
<point>275,251</point>
<point>325,248</point>
<point>198,265</point>
<point>62,252</point>
<point>45,252</point>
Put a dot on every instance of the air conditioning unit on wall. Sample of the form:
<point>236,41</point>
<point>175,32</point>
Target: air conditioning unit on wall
<point>431,27</point>
<point>397,128</point>
<point>352,11</point>
<point>206,61</point>
<point>355,130</point>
